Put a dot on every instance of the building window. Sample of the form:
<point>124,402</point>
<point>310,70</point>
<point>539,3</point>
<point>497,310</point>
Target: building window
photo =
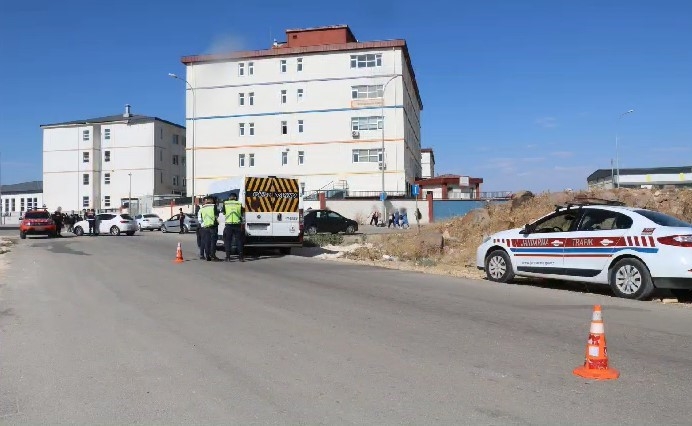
<point>107,201</point>
<point>13,204</point>
<point>175,160</point>
<point>241,129</point>
<point>241,160</point>
<point>299,64</point>
<point>85,135</point>
<point>106,134</point>
<point>184,141</point>
<point>284,127</point>
<point>106,156</point>
<point>302,188</point>
<point>368,60</point>
<point>367,92</point>
<point>366,123</point>
<point>21,205</point>
<point>283,96</point>
<point>85,201</point>
<point>301,157</point>
<point>161,155</point>
<point>184,160</point>
<point>251,129</point>
<point>300,126</point>
<point>7,204</point>
<point>85,157</point>
<point>250,68</point>
<point>283,65</point>
<point>35,203</point>
<point>284,159</point>
<point>367,155</point>
<point>300,95</point>
<point>161,133</point>
<point>175,180</point>
<point>176,140</point>
<point>241,69</point>
<point>241,99</point>
<point>251,98</point>
<point>85,179</point>
<point>161,177</point>
<point>252,160</point>
<point>184,183</point>
<point>107,179</point>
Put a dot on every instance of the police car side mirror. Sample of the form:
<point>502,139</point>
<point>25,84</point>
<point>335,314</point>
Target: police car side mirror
<point>526,230</point>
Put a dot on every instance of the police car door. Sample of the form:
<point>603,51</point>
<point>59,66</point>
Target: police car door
<point>541,250</point>
<point>599,235</point>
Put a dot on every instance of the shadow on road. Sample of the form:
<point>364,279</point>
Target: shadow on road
<point>589,288</point>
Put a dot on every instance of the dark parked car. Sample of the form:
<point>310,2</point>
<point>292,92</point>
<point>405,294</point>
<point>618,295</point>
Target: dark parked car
<point>317,221</point>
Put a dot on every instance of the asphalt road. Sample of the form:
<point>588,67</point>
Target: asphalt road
<point>110,330</point>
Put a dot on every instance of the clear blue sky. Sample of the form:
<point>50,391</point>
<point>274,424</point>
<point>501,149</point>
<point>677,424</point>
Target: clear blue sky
<point>525,94</point>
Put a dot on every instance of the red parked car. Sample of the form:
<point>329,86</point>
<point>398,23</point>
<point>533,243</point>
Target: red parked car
<point>37,222</point>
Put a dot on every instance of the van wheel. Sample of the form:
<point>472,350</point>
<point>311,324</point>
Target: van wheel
<point>630,279</point>
<point>498,267</point>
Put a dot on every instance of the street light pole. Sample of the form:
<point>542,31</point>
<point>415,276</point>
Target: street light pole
<point>617,148</point>
<point>194,116</point>
<point>129,196</point>
<point>382,195</point>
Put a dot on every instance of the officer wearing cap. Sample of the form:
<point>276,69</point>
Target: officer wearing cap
<point>233,212</point>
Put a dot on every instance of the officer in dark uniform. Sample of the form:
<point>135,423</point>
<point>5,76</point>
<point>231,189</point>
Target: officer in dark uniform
<point>233,231</point>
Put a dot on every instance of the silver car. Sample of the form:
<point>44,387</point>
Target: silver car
<point>149,221</point>
<point>173,224</point>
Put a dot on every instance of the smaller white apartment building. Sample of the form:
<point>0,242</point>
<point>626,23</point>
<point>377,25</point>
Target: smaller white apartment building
<point>317,106</point>
<point>427,163</point>
<point>95,163</point>
<point>17,198</point>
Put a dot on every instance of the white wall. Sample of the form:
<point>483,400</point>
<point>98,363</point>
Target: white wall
<point>326,111</point>
<point>135,149</point>
<point>427,165</point>
<point>361,210</point>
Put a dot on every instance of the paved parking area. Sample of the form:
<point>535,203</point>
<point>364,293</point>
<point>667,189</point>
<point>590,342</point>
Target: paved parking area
<point>110,330</point>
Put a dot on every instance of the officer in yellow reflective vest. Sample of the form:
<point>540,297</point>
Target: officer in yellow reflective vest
<point>209,230</point>
<point>233,212</point>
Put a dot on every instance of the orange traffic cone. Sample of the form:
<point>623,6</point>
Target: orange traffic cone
<point>596,363</point>
<point>179,254</point>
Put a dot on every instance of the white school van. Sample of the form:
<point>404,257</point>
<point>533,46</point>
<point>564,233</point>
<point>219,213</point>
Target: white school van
<point>273,210</point>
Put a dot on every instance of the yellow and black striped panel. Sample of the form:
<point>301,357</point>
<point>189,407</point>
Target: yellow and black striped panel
<point>271,194</point>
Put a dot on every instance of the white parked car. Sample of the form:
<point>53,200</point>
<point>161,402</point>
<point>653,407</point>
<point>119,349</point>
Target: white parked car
<point>633,250</point>
<point>108,223</point>
<point>148,221</point>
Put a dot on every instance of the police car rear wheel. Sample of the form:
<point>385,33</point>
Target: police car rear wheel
<point>498,267</point>
<point>630,279</point>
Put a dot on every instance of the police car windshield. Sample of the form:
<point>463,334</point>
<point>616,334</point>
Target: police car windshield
<point>663,219</point>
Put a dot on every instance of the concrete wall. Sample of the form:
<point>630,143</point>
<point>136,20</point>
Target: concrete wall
<point>326,141</point>
<point>361,210</point>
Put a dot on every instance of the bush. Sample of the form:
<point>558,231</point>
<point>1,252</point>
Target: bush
<point>321,240</point>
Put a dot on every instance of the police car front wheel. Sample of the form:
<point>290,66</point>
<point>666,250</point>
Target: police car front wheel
<point>498,267</point>
<point>630,279</point>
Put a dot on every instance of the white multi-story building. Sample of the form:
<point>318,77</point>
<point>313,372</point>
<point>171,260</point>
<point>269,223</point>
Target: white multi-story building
<point>98,163</point>
<point>427,163</point>
<point>318,106</point>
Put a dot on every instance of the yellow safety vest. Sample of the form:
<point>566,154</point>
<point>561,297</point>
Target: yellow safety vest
<point>232,211</point>
<point>207,213</point>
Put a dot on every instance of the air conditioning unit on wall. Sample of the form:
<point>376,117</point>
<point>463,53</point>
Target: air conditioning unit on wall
<point>382,166</point>
<point>355,135</point>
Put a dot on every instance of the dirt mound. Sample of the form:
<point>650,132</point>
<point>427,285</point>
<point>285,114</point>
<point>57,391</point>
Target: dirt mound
<point>462,235</point>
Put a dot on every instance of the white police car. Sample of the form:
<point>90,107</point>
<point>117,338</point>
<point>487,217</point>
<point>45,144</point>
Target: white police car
<point>633,250</point>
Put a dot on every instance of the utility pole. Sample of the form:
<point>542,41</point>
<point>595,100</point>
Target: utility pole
<point>129,196</point>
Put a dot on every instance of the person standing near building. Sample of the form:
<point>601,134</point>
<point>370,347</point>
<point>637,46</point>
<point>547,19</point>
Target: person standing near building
<point>233,212</point>
<point>91,219</point>
<point>181,221</point>
<point>207,221</point>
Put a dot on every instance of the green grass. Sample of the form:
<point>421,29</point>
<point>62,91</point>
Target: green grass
<point>321,240</point>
